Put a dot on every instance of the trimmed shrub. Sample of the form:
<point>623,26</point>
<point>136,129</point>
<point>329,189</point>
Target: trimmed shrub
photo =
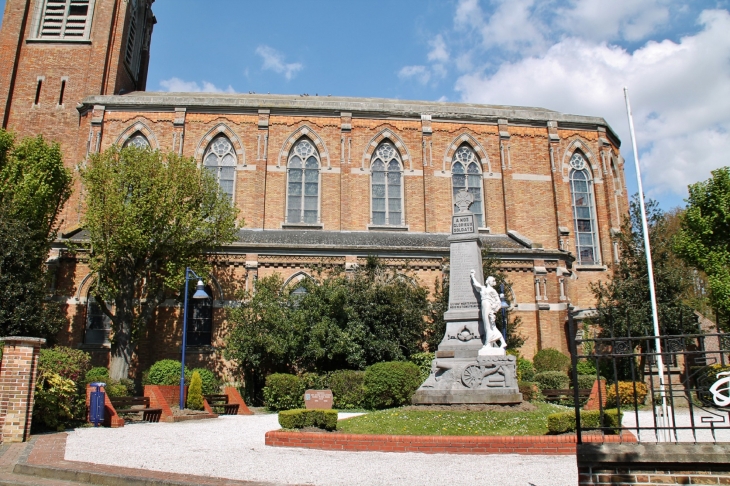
<point>57,402</point>
<point>423,361</point>
<point>71,364</point>
<point>525,370</point>
<point>560,423</point>
<point>283,392</point>
<point>530,391</point>
<point>347,388</point>
<point>211,383</point>
<point>116,390</point>
<point>626,393</point>
<point>586,367</point>
<point>165,372</point>
<point>300,418</point>
<point>195,392</point>
<point>550,359</point>
<point>585,381</point>
<point>552,380</point>
<point>391,384</point>
<point>97,374</point>
<point>313,381</point>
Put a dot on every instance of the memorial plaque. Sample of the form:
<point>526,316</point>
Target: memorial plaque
<point>321,399</point>
<point>462,224</point>
<point>465,256</point>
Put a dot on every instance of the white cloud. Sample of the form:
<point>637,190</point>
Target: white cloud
<point>274,61</point>
<point>181,86</point>
<point>631,20</point>
<point>439,52</point>
<point>680,96</point>
<point>420,73</point>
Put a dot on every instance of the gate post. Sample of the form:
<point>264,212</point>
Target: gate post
<point>18,373</point>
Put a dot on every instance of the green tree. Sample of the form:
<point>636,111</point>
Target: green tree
<point>703,240</point>
<point>149,215</point>
<point>34,186</point>
<point>623,303</point>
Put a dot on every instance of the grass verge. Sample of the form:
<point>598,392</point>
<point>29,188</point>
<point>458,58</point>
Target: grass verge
<point>416,422</point>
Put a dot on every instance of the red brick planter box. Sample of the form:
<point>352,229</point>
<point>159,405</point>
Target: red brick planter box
<point>540,444</point>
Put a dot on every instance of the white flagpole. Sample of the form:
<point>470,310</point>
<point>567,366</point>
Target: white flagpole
<point>650,267</point>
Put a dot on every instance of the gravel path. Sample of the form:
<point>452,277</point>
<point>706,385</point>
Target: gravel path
<point>233,447</point>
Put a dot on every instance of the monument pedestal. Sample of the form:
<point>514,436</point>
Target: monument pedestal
<point>465,371</point>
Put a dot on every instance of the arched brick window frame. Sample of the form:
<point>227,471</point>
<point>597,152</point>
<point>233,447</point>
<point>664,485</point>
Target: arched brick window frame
<point>304,183</point>
<point>590,157</point>
<point>219,159</point>
<point>390,135</point>
<point>583,204</point>
<point>387,191</point>
<point>466,174</point>
<point>221,129</point>
<point>304,131</point>
<point>138,128</point>
<point>479,150</point>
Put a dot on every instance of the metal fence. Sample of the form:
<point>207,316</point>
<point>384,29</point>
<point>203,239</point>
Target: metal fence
<point>690,404</point>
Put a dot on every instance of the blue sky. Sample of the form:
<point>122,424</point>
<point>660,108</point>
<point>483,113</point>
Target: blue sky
<point>567,55</point>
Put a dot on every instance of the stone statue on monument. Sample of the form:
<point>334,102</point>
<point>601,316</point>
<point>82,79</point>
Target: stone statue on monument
<point>491,304</point>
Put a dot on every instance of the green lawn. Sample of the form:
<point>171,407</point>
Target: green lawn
<point>416,422</point>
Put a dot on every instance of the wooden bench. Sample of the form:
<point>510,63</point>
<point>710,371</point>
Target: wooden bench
<point>553,395</point>
<point>136,405</point>
<point>221,402</point>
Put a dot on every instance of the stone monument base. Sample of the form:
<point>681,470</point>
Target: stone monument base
<point>478,380</point>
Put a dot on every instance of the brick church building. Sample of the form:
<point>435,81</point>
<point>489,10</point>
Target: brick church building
<point>319,180</point>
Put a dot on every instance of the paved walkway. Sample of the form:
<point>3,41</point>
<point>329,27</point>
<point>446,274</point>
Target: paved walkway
<point>233,447</point>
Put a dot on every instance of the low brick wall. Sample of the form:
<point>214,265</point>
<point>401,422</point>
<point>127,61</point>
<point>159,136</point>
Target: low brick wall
<point>649,464</point>
<point>540,445</point>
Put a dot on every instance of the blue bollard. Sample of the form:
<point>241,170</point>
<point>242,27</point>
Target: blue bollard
<point>96,404</point>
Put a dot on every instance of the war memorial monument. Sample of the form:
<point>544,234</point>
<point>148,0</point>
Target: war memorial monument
<point>471,365</point>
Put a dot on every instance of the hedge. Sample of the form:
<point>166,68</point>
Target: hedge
<point>391,384</point>
<point>211,383</point>
<point>423,361</point>
<point>559,423</point>
<point>300,418</point>
<point>585,381</point>
<point>552,380</point>
<point>626,393</point>
<point>165,372</point>
<point>530,391</point>
<point>550,359</point>
<point>347,388</point>
<point>283,392</point>
<point>525,370</point>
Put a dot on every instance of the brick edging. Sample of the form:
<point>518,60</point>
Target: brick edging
<point>527,444</point>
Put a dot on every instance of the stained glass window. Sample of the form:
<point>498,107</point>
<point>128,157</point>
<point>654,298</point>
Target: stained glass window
<point>303,184</point>
<point>387,186</point>
<point>220,161</point>
<point>137,140</point>
<point>581,189</point>
<point>466,175</point>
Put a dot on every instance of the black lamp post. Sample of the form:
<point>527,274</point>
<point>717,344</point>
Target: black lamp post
<point>199,294</point>
<point>504,306</point>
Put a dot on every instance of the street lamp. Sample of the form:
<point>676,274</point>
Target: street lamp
<point>504,306</point>
<point>199,294</point>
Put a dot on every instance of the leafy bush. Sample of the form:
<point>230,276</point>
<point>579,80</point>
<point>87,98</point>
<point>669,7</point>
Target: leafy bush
<point>211,383</point>
<point>530,391</point>
<point>525,369</point>
<point>195,392</point>
<point>97,374</point>
<point>165,372</point>
<point>283,392</point>
<point>586,367</point>
<point>626,393</point>
<point>116,390</point>
<point>559,423</point>
<point>57,402</point>
<point>347,388</point>
<point>552,380</point>
<point>550,359</point>
<point>313,381</point>
<point>585,381</point>
<point>423,361</point>
<point>71,364</point>
<point>391,384</point>
<point>300,418</point>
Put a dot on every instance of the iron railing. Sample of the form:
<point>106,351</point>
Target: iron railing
<point>686,408</point>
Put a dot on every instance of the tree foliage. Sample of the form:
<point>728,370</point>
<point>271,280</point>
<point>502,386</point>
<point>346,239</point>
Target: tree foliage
<point>703,240</point>
<point>341,322</point>
<point>34,186</point>
<point>624,303</point>
<point>149,215</point>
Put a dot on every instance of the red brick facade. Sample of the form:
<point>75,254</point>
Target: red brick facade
<point>18,372</point>
<point>523,156</point>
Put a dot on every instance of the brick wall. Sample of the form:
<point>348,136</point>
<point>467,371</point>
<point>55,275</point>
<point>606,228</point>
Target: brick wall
<point>17,387</point>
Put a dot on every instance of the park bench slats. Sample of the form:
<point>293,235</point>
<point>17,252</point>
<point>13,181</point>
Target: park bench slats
<point>221,402</point>
<point>557,394</point>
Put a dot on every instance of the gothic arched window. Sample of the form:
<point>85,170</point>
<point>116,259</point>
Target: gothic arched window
<point>302,190</point>
<point>98,324</point>
<point>387,186</point>
<point>584,219</point>
<point>466,175</point>
<point>200,318</point>
<point>137,140</point>
<point>220,160</point>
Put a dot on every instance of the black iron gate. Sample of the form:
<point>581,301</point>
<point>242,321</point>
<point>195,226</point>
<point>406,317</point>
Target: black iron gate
<point>679,395</point>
